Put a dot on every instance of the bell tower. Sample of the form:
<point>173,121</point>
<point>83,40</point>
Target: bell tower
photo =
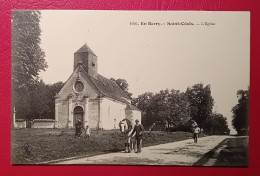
<point>87,58</point>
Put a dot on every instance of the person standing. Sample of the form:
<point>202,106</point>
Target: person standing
<point>78,126</point>
<point>196,134</point>
<point>138,129</point>
<point>87,132</point>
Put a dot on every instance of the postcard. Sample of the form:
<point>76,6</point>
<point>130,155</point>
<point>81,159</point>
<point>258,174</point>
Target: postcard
<point>130,87</point>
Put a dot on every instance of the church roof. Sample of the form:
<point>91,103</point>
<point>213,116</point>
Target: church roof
<point>84,49</point>
<point>106,86</point>
<point>132,107</point>
<point>109,88</point>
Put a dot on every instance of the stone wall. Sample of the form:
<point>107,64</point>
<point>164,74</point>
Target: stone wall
<point>43,123</point>
<point>20,123</point>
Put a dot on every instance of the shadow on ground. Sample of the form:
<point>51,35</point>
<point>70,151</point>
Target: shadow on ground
<point>232,152</point>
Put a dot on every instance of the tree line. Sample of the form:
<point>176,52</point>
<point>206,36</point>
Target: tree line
<point>177,110</point>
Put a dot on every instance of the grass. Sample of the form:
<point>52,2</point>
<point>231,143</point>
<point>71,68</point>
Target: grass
<point>233,153</point>
<point>32,146</point>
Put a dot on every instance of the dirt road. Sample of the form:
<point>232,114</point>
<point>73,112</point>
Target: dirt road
<point>175,153</point>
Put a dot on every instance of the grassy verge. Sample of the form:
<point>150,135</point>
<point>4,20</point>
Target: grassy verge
<point>233,152</point>
<point>31,146</point>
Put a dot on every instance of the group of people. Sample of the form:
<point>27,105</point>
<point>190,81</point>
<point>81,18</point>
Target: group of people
<point>133,134</point>
<point>78,128</point>
<point>137,132</point>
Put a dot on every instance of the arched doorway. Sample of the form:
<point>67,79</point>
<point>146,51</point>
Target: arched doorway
<point>78,115</point>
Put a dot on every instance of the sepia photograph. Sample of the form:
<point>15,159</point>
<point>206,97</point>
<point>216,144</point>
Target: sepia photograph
<point>99,87</point>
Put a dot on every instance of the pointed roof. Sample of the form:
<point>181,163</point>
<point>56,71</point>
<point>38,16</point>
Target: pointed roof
<point>132,107</point>
<point>109,88</point>
<point>106,86</point>
<point>84,49</point>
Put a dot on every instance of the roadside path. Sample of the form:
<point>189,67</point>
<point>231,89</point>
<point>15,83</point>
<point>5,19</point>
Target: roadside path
<point>175,153</point>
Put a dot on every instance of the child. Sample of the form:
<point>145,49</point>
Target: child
<point>87,132</point>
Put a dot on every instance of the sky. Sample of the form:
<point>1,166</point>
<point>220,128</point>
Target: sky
<point>154,57</point>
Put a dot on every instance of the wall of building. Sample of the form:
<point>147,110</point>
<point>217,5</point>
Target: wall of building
<point>91,118</point>
<point>88,61</point>
<point>93,114</point>
<point>80,57</point>
<point>68,99</point>
<point>89,89</point>
<point>132,115</point>
<point>62,116</point>
<point>92,64</point>
<point>112,112</point>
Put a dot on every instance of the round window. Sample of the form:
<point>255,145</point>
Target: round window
<point>79,86</point>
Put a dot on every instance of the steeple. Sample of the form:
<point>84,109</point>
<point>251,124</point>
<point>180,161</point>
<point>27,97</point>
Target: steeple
<point>87,58</point>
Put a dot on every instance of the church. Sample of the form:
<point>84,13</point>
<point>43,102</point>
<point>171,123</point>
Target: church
<point>92,98</point>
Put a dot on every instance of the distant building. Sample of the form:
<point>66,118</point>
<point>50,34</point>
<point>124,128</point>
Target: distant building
<point>91,98</point>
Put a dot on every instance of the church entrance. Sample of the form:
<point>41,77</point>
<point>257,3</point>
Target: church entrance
<point>78,115</point>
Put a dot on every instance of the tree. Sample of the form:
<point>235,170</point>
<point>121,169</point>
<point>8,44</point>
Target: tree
<point>169,107</point>
<point>27,55</point>
<point>143,102</point>
<point>179,110</point>
<point>43,100</point>
<point>216,124</point>
<point>179,106</point>
<point>123,85</point>
<point>240,111</point>
<point>201,102</point>
<point>27,58</point>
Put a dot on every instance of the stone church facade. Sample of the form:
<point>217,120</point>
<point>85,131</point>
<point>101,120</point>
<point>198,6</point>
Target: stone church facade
<point>91,98</point>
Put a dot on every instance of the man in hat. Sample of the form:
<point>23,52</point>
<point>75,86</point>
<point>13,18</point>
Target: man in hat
<point>196,133</point>
<point>138,129</point>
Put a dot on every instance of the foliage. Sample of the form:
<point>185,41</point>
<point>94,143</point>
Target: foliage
<point>143,102</point>
<point>177,111</point>
<point>240,111</point>
<point>123,85</point>
<point>27,55</point>
<point>216,124</point>
<point>43,100</point>
<point>27,58</point>
<point>201,103</point>
<point>166,107</point>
